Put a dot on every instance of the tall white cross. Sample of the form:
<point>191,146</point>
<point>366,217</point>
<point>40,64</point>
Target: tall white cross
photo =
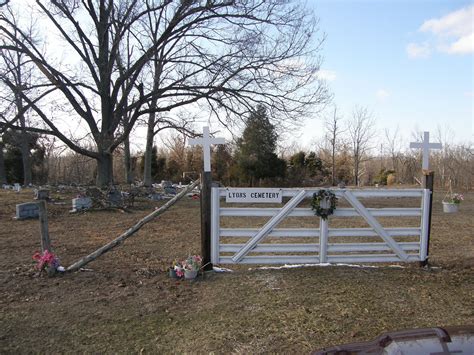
<point>426,146</point>
<point>206,142</point>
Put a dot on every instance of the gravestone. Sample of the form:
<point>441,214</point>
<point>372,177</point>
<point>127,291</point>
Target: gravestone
<point>7,187</point>
<point>17,187</point>
<point>156,196</point>
<point>81,203</point>
<point>114,198</point>
<point>41,194</point>
<point>170,190</point>
<point>27,210</point>
<point>165,184</point>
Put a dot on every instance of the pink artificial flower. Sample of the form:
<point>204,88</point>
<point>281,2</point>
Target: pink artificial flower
<point>46,259</point>
<point>179,272</point>
<point>36,256</point>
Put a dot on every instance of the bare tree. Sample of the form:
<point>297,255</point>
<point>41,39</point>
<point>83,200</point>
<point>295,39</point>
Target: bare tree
<point>16,77</point>
<point>3,175</point>
<point>227,54</point>
<point>334,129</point>
<point>393,144</point>
<point>361,132</point>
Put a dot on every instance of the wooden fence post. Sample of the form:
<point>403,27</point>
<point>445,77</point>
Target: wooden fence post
<point>429,184</point>
<point>45,242</point>
<point>43,218</point>
<point>206,219</point>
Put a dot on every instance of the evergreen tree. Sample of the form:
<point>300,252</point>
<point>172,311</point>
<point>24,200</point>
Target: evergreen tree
<point>221,163</point>
<point>304,168</point>
<point>314,165</point>
<point>154,161</point>
<point>13,158</point>
<point>256,156</point>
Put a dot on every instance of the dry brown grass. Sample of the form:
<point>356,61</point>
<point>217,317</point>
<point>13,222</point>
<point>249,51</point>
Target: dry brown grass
<point>126,303</point>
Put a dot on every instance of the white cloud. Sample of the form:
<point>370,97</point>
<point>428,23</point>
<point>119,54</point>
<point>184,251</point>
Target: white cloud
<point>456,24</point>
<point>382,94</point>
<point>418,50</point>
<point>463,45</point>
<point>453,34</point>
<point>328,75</point>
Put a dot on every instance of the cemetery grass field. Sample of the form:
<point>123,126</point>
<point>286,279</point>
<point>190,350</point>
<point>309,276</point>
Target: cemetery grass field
<point>125,303</point>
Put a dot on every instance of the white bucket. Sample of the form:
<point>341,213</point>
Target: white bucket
<point>449,207</point>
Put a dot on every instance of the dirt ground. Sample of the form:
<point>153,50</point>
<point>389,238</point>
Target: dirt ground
<point>125,303</point>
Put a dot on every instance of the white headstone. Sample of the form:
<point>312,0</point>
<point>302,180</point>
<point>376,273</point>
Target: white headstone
<point>81,203</point>
<point>425,145</point>
<point>17,187</point>
<point>206,142</point>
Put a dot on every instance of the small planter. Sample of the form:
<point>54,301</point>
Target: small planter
<point>173,274</point>
<point>190,274</point>
<point>449,207</point>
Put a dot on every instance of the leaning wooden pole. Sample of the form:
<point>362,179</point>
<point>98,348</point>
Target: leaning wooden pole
<point>87,259</point>
<point>43,218</point>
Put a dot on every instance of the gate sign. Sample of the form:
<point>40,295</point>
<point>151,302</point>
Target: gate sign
<point>253,195</point>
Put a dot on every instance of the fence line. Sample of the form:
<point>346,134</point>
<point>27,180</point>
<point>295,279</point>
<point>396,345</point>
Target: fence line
<point>322,246</point>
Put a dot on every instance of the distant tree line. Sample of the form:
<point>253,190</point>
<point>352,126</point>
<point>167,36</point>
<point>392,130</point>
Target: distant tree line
<point>253,160</point>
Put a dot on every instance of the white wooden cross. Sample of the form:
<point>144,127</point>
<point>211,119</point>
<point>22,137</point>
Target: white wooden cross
<point>206,142</point>
<point>426,146</point>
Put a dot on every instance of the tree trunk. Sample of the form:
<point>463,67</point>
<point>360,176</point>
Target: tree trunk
<point>24,145</point>
<point>3,175</point>
<point>356,173</point>
<point>105,171</point>
<point>26,158</point>
<point>127,161</point>
<point>150,133</point>
<point>147,178</point>
<point>333,173</point>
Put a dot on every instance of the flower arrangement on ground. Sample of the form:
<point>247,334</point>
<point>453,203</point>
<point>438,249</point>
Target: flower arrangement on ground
<point>188,268</point>
<point>178,268</point>
<point>193,263</point>
<point>47,261</point>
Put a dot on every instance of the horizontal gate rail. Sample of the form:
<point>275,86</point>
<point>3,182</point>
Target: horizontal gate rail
<point>308,232</point>
<point>257,248</point>
<point>369,232</point>
<point>306,212</point>
<point>272,259</point>
<point>277,232</point>
<point>308,247</point>
<point>366,193</point>
<point>298,259</point>
<point>382,258</point>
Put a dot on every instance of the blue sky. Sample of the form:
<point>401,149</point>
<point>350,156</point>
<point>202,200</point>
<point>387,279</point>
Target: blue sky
<point>409,62</point>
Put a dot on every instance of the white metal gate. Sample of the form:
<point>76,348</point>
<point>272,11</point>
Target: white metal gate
<point>324,244</point>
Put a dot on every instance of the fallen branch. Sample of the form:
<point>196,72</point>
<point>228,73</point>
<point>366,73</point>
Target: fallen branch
<point>87,259</point>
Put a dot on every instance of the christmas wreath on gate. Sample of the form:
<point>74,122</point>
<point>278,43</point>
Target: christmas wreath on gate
<point>329,198</point>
